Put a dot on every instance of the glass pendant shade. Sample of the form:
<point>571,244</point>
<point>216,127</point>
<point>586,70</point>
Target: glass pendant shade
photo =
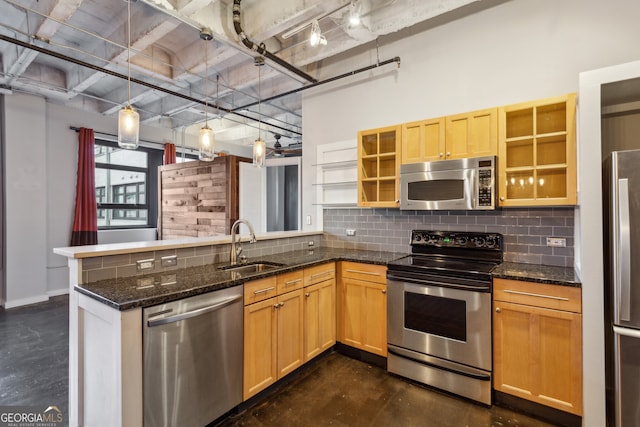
<point>259,152</point>
<point>128,128</point>
<point>206,144</point>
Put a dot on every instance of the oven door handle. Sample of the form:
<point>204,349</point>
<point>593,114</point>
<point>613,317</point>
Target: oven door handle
<point>485,288</point>
<point>444,365</point>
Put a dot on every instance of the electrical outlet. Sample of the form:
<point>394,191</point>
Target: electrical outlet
<point>311,243</point>
<point>351,232</point>
<point>145,264</point>
<point>169,261</point>
<point>556,242</point>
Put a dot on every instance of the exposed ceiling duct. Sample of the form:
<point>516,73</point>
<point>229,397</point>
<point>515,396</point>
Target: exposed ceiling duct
<point>260,49</point>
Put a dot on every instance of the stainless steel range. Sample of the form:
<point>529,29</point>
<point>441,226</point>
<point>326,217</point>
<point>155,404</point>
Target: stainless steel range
<point>439,311</point>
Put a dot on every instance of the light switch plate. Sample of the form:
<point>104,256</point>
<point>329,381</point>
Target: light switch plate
<point>351,232</point>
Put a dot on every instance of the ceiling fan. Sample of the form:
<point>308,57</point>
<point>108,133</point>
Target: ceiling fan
<point>278,150</point>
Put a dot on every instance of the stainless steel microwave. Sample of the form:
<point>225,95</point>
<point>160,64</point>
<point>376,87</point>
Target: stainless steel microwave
<point>460,184</point>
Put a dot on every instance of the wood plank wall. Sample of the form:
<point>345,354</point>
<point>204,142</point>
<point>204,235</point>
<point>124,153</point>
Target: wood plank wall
<point>199,198</point>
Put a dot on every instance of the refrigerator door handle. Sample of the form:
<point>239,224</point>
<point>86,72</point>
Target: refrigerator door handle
<point>624,250</point>
<point>627,332</point>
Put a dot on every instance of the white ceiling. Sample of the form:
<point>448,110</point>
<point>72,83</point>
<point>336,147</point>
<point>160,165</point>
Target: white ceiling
<point>69,51</point>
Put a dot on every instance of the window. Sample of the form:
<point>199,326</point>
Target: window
<point>126,186</point>
<point>100,198</point>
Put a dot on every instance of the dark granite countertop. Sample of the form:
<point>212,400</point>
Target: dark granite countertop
<point>553,275</point>
<point>143,291</point>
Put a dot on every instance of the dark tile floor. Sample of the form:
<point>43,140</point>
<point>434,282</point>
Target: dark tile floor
<point>335,390</point>
<point>34,355</point>
<point>340,391</point>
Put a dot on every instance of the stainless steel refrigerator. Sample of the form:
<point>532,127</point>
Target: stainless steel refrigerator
<point>622,283</point>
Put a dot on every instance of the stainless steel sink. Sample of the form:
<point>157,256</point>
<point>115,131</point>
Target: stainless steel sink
<point>251,268</point>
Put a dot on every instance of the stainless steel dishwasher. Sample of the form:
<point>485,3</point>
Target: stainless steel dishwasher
<point>193,359</point>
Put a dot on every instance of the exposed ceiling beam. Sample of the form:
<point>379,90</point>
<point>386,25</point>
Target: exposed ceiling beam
<point>61,12</point>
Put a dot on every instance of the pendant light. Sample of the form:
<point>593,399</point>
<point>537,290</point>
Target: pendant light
<point>128,118</point>
<point>206,140</point>
<point>259,148</point>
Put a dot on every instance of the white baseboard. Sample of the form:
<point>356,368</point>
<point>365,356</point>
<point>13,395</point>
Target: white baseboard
<point>25,301</point>
<point>58,292</point>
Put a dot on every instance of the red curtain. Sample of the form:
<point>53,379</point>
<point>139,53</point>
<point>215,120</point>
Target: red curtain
<point>169,153</point>
<point>85,217</point>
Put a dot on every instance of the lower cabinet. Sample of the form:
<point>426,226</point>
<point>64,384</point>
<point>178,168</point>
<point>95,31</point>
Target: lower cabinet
<point>363,307</point>
<point>538,343</point>
<point>273,333</point>
<point>288,320</point>
<point>319,310</point>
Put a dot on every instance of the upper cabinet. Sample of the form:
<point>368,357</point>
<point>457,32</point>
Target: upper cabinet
<point>423,141</point>
<point>379,167</point>
<point>537,153</point>
<point>459,136</point>
<point>472,134</point>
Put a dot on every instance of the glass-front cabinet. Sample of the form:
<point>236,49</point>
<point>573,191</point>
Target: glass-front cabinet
<point>379,167</point>
<point>537,153</point>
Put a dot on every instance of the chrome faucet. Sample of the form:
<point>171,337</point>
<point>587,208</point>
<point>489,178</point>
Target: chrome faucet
<point>236,246</point>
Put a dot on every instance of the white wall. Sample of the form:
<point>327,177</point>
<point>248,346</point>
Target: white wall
<point>517,51</point>
<point>41,162</point>
<point>25,200</point>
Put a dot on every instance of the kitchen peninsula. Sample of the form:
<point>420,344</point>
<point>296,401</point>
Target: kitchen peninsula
<point>106,303</point>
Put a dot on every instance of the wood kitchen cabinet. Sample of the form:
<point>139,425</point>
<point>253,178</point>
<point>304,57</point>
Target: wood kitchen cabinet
<point>319,309</point>
<point>537,344</point>
<point>379,167</point>
<point>273,330</point>
<point>537,153</point>
<point>458,136</point>
<point>363,307</point>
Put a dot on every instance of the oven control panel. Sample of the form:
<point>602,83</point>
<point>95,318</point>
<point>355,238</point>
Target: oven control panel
<point>456,239</point>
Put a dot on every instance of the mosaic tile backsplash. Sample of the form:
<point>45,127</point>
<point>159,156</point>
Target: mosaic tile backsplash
<point>525,230</point>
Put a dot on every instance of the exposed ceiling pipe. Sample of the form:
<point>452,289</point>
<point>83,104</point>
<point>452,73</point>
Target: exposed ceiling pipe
<point>133,80</point>
<point>395,60</point>
<point>260,49</point>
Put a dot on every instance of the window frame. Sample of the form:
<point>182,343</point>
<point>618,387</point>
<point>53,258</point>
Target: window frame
<point>154,160</point>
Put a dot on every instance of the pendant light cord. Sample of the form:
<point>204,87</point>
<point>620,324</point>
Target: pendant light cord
<point>259,101</point>
<point>206,86</point>
<point>129,51</point>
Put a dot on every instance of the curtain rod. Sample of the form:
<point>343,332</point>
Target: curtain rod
<point>148,144</point>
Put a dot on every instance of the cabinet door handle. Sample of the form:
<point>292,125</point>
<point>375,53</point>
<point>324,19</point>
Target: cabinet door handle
<point>440,154</point>
<point>498,310</point>
<point>370,273</point>
<point>278,305</point>
<point>263,291</point>
<point>529,294</point>
<point>292,282</point>
<point>502,199</point>
<point>324,273</point>
<point>307,294</point>
<point>448,153</point>
<point>384,291</point>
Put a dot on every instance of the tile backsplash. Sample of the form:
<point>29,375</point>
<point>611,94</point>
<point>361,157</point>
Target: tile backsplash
<point>124,265</point>
<point>525,230</point>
